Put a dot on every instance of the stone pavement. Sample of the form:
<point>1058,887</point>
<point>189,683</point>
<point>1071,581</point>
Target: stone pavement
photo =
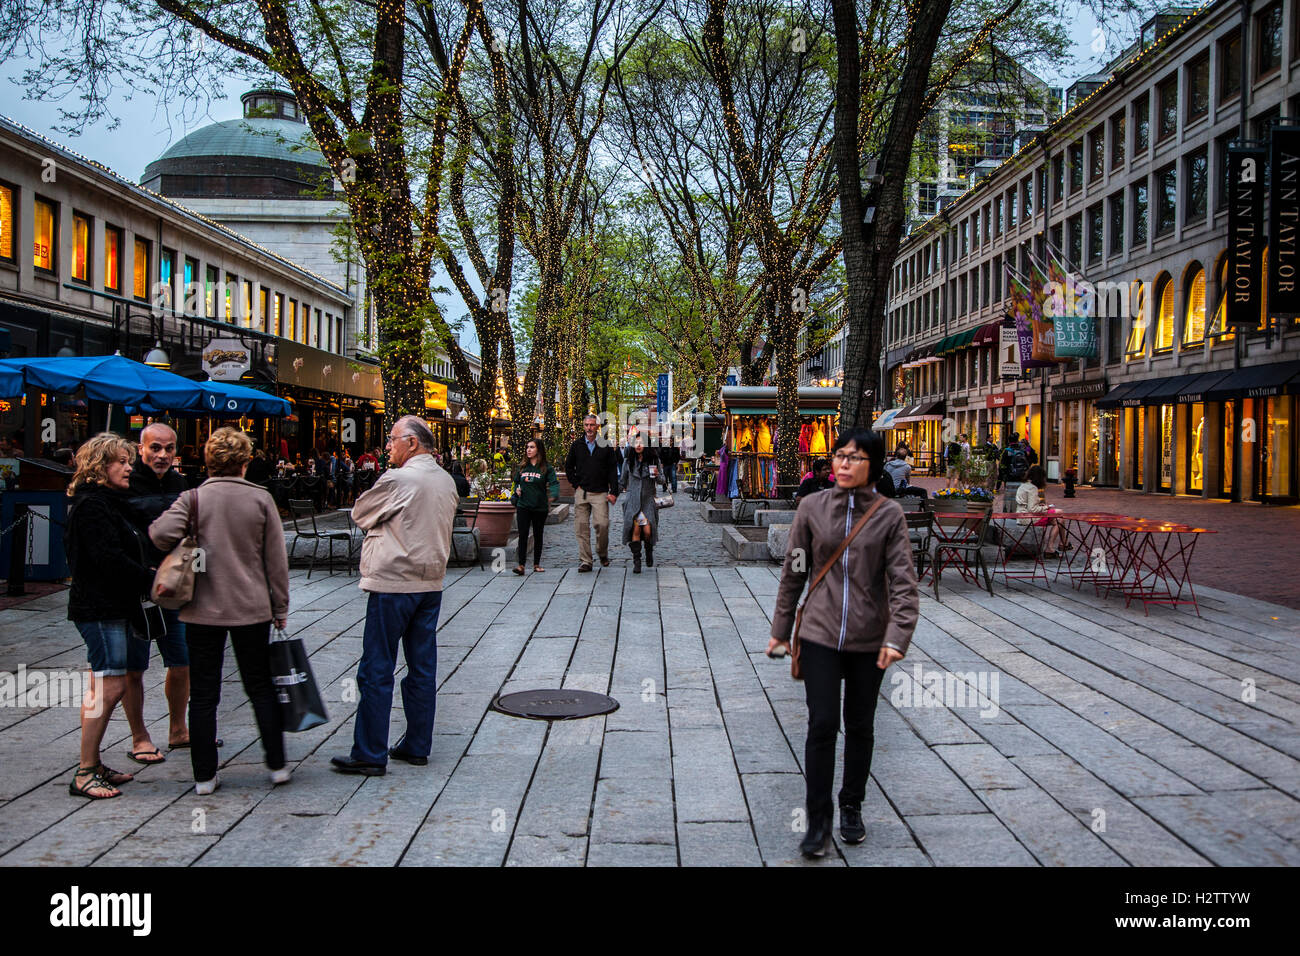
<point>1074,732</point>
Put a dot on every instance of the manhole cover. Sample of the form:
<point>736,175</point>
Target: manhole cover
<point>554,704</point>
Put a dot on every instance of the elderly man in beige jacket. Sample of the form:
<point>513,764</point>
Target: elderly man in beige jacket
<point>407,517</point>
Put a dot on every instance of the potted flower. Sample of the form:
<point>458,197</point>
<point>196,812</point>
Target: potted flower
<point>490,483</point>
<point>951,499</point>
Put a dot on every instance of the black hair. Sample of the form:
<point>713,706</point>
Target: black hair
<point>821,463</point>
<point>648,454</point>
<point>1015,436</point>
<point>1036,476</point>
<point>870,444</point>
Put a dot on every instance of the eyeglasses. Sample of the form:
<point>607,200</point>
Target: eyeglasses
<point>393,438</point>
<point>840,458</point>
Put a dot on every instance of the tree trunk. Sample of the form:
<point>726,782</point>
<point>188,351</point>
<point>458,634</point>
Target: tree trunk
<point>870,248</point>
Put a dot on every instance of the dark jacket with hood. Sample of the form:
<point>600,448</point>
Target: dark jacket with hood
<point>104,550</point>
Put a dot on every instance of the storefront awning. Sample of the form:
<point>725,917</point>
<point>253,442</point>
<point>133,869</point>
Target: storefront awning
<point>955,343</point>
<point>1116,395</point>
<point>1194,390</point>
<point>987,334</point>
<point>1257,381</point>
<point>761,400</point>
<point>884,422</point>
<point>1167,391</point>
<point>925,412</point>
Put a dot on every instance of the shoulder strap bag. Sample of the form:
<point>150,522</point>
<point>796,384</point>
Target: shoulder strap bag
<point>795,670</point>
<point>173,584</point>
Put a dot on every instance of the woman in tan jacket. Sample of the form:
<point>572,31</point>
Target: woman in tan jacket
<point>856,623</point>
<point>243,587</point>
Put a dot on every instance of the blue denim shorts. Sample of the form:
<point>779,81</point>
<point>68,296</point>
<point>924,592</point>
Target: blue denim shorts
<point>175,652</point>
<point>111,650</point>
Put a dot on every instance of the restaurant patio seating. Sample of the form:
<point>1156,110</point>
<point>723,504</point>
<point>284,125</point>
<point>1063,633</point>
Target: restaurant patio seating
<point>302,512</point>
<point>465,532</point>
<point>959,539</point>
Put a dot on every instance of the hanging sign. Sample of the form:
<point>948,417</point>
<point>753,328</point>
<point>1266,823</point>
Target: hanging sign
<point>1245,235</point>
<point>226,360</point>
<point>1284,223</point>
<point>1008,352</point>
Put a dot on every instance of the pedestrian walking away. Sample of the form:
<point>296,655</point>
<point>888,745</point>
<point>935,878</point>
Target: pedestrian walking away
<point>154,485</point>
<point>109,578</point>
<point>669,456</point>
<point>853,626</point>
<point>243,588</point>
<point>535,487</point>
<point>640,516</point>
<point>407,517</point>
<point>591,466</point>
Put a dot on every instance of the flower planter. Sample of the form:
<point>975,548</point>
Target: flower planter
<point>494,521</point>
<point>950,504</point>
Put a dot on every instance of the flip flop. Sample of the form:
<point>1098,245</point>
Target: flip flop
<point>137,754</point>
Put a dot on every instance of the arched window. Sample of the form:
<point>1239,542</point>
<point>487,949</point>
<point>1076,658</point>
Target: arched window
<point>1137,335</point>
<point>1165,318</point>
<point>1194,317</point>
<point>1219,324</point>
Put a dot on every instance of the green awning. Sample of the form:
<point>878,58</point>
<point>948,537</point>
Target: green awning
<point>941,348</point>
<point>964,339</point>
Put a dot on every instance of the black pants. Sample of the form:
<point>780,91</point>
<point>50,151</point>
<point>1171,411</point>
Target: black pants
<point>823,669</point>
<point>536,520</point>
<point>252,654</point>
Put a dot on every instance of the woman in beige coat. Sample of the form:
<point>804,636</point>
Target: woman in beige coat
<point>243,587</point>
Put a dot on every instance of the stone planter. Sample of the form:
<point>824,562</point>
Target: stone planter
<point>494,521</point>
<point>950,504</point>
<point>566,489</point>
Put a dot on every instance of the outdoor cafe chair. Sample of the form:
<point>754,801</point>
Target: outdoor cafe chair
<point>465,529</point>
<point>959,539</point>
<point>302,512</point>
<point>920,531</point>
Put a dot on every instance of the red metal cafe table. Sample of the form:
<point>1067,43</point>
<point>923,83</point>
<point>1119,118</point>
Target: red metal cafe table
<point>1087,552</point>
<point>1155,560</point>
<point>1020,537</point>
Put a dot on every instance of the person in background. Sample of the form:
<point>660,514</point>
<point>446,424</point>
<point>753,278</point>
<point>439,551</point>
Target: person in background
<point>669,456</point>
<point>458,476</point>
<point>591,467</point>
<point>898,469</point>
<point>259,471</point>
<point>1013,466</point>
<point>155,485</point>
<point>243,588</point>
<point>819,479</point>
<point>952,458</point>
<point>857,623</point>
<point>408,517</point>
<point>108,580</point>
<point>536,485</point>
<point>347,476</point>
<point>1031,497</point>
<point>640,475</point>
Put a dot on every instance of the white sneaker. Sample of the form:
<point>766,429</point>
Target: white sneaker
<point>205,787</point>
<point>280,776</point>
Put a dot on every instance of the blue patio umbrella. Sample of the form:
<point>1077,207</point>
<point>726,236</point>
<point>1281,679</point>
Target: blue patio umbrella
<point>106,378</point>
<point>226,400</point>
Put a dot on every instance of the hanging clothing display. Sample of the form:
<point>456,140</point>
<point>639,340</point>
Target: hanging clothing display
<point>805,437</point>
<point>724,465</point>
<point>818,443</point>
<point>753,442</point>
<point>763,443</point>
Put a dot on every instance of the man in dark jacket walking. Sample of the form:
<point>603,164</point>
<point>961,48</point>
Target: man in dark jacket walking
<point>154,485</point>
<point>592,468</point>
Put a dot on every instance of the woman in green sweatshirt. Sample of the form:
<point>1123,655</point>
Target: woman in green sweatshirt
<point>535,486</point>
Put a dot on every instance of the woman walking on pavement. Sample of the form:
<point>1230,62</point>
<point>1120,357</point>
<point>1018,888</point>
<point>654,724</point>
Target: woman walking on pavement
<point>640,516</point>
<point>853,626</point>
<point>243,588</point>
<point>109,577</point>
<point>536,486</point>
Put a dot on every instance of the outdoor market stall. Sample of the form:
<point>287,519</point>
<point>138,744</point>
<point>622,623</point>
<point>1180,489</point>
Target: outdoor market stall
<point>748,468</point>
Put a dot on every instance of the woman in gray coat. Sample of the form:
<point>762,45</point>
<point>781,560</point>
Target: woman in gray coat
<point>640,517</point>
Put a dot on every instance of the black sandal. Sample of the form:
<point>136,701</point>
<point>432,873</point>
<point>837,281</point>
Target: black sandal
<point>95,783</point>
<point>113,777</point>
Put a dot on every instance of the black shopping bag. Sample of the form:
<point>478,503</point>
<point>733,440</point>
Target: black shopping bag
<point>301,706</point>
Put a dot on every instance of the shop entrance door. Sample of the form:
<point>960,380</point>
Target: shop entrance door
<point>1166,447</point>
<point>1195,448</point>
<point>1276,469</point>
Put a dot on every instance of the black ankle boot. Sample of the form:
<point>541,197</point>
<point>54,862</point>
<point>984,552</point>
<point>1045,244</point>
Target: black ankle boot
<point>649,554</point>
<point>817,840</point>
<point>852,828</point>
<point>636,557</point>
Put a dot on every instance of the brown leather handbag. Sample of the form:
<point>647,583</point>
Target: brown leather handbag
<point>795,670</point>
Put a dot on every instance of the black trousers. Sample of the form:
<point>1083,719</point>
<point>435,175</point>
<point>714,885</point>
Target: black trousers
<point>536,521</point>
<point>823,670</point>
<point>253,655</point>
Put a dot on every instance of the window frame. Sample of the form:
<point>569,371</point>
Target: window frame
<point>1257,60</point>
<point>1200,61</point>
<point>1184,341</point>
<point>1166,88</point>
<point>1097,152</point>
<point>88,257</point>
<point>1118,139</point>
<point>120,234</point>
<point>1141,126</point>
<point>10,228</point>
<point>136,242</point>
<point>1138,237</point>
<point>1229,68</point>
<point>1168,291</point>
<point>53,268</point>
<point>211,279</point>
<point>1164,206</point>
<point>1191,217</point>
<point>1118,237</point>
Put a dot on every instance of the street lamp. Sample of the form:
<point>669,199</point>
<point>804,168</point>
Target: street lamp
<point>157,357</point>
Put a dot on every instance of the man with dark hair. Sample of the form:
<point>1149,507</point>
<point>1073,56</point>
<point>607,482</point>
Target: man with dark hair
<point>414,503</point>
<point>819,480</point>
<point>591,466</point>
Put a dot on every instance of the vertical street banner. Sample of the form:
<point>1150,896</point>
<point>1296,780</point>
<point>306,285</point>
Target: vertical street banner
<point>1008,352</point>
<point>1022,309</point>
<point>1283,223</point>
<point>1245,235</point>
<point>1043,348</point>
<point>1076,327</point>
<point>661,394</point>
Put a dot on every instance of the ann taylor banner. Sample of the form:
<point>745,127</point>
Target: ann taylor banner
<point>1284,220</point>
<point>1245,235</point>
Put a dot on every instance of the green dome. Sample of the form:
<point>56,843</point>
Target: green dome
<point>251,138</point>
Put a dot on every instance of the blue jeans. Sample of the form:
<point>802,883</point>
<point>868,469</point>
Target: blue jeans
<point>670,476</point>
<point>111,649</point>
<point>175,652</point>
<point>412,620</point>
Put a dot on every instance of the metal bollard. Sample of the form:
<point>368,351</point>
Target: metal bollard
<point>18,532</point>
